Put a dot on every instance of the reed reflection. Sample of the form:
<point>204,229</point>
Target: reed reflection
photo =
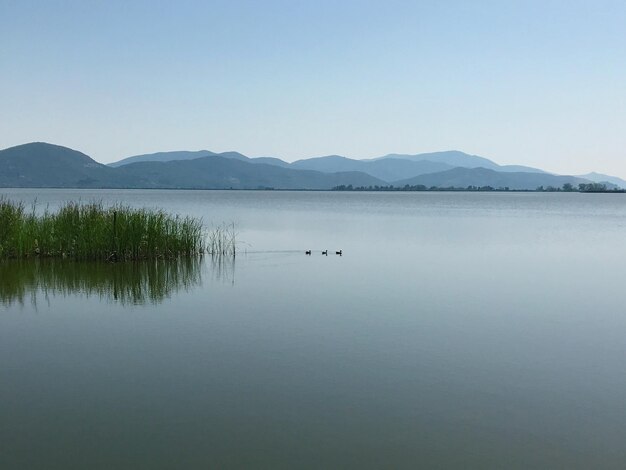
<point>128,283</point>
<point>222,268</point>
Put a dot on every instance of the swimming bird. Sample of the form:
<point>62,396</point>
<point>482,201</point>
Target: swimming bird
<point>307,252</point>
<point>325,252</point>
<point>340,252</point>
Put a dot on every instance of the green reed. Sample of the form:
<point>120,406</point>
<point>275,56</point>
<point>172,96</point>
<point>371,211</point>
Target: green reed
<point>92,231</point>
<point>222,240</point>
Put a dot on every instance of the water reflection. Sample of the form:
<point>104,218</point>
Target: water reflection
<point>222,269</point>
<point>125,283</point>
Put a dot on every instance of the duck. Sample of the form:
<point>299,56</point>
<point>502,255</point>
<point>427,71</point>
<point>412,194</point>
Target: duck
<point>325,252</point>
<point>307,252</point>
<point>340,252</point>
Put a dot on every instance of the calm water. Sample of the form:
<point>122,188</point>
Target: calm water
<point>456,331</point>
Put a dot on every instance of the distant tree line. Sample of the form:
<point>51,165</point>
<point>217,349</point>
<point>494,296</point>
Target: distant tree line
<point>597,188</point>
<point>582,188</point>
<point>567,188</point>
<point>417,187</point>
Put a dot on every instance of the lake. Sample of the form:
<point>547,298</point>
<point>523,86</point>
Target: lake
<point>457,330</point>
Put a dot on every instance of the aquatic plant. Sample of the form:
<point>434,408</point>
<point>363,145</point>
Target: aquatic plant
<point>94,232</point>
<point>222,240</point>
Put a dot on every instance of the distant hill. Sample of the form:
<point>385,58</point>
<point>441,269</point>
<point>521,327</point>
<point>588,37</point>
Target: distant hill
<point>399,166</point>
<point>45,165</point>
<point>600,178</point>
<point>388,169</point>
<point>223,173</point>
<point>455,158</point>
<point>520,169</point>
<point>269,161</point>
<point>385,169</point>
<point>192,155</point>
<point>162,157</point>
<point>464,177</point>
<point>42,165</point>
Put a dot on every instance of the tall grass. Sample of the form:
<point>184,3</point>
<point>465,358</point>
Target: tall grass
<point>222,240</point>
<point>94,232</point>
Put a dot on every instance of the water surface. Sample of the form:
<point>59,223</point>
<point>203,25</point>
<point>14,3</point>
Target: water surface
<point>457,330</point>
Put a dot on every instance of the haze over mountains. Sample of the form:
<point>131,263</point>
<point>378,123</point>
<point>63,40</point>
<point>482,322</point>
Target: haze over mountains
<point>41,164</point>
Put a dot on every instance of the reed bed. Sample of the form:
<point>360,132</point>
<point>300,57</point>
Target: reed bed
<point>90,231</point>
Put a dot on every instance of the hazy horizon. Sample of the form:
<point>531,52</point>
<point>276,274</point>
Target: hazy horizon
<point>527,83</point>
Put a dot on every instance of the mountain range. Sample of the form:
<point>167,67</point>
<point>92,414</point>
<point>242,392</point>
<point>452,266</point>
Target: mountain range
<point>40,164</point>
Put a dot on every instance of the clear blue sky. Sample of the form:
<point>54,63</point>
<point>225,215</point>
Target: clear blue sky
<point>540,83</point>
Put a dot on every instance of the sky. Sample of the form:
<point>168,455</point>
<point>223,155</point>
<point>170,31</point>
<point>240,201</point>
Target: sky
<point>539,83</point>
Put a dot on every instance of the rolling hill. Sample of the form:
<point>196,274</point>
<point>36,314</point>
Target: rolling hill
<point>224,173</point>
<point>192,155</point>
<point>386,169</point>
<point>455,158</point>
<point>600,178</point>
<point>42,165</point>
<point>464,177</point>
<point>162,157</point>
<point>51,166</point>
<point>389,168</point>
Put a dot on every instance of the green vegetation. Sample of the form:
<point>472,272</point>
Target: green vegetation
<point>222,240</point>
<point>94,232</point>
<point>417,187</point>
<point>567,187</point>
<point>582,188</point>
<point>597,188</point>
